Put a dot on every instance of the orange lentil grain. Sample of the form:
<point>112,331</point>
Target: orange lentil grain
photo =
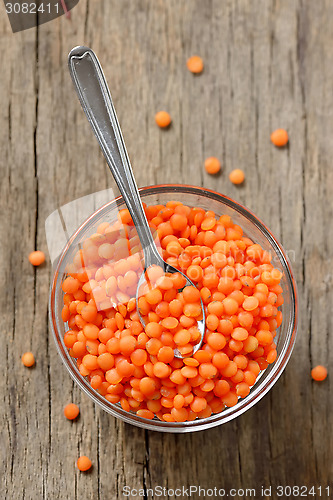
<point>216,341</point>
<point>161,370</point>
<point>145,414</point>
<point>36,258</point>
<point>71,411</point>
<point>163,119</point>
<point>319,373</point>
<point>250,303</point>
<point>242,389</point>
<point>189,371</point>
<point>237,176</point>
<point>198,404</point>
<point>279,137</point>
<point>70,285</point>
<point>28,359</point>
<point>195,64</point>
<point>230,399</point>
<point>84,463</point>
<point>207,370</point>
<point>212,165</point>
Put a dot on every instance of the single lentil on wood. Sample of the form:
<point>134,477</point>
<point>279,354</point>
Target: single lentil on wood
<point>195,64</point>
<point>71,411</point>
<point>36,258</point>
<point>319,373</point>
<point>212,165</point>
<point>84,463</point>
<point>163,119</point>
<point>28,359</point>
<point>279,137</point>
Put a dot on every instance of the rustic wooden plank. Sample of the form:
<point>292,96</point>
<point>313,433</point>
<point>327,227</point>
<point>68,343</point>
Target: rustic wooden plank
<point>267,64</point>
<point>78,170</point>
<point>315,60</point>
<point>18,302</point>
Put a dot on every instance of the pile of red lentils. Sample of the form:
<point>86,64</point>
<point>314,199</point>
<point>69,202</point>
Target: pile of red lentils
<point>135,365</point>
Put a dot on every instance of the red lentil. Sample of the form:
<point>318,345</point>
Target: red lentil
<point>28,359</point>
<point>136,366</point>
<point>195,64</point>
<point>163,119</point>
<point>319,373</point>
<point>84,463</point>
<point>279,137</point>
<point>212,165</point>
<point>71,411</point>
<point>36,258</point>
<point>237,176</point>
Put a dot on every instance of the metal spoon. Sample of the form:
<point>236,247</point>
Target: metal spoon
<point>95,99</point>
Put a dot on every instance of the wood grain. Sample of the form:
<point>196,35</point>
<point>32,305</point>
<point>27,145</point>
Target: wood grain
<point>268,64</point>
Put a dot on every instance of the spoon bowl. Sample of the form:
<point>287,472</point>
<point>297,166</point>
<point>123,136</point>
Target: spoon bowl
<point>168,269</point>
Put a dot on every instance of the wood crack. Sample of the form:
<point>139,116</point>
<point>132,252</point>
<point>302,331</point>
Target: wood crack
<point>146,468</point>
<point>86,19</point>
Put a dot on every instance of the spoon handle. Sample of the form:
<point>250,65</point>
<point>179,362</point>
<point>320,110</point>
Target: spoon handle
<point>95,99</point>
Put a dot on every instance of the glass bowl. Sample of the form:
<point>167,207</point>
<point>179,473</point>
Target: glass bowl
<point>254,229</point>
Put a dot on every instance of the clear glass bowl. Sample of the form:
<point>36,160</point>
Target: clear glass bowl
<point>254,229</point>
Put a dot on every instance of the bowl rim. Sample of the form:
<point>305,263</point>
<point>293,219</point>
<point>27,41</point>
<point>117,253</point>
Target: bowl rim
<point>243,404</point>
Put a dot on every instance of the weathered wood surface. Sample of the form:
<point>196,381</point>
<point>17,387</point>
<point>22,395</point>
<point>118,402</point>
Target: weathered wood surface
<point>268,64</point>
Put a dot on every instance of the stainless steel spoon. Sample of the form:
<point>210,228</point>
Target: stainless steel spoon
<point>95,99</point>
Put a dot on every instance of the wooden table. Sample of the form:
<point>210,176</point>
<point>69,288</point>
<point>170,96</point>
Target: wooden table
<point>268,64</point>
